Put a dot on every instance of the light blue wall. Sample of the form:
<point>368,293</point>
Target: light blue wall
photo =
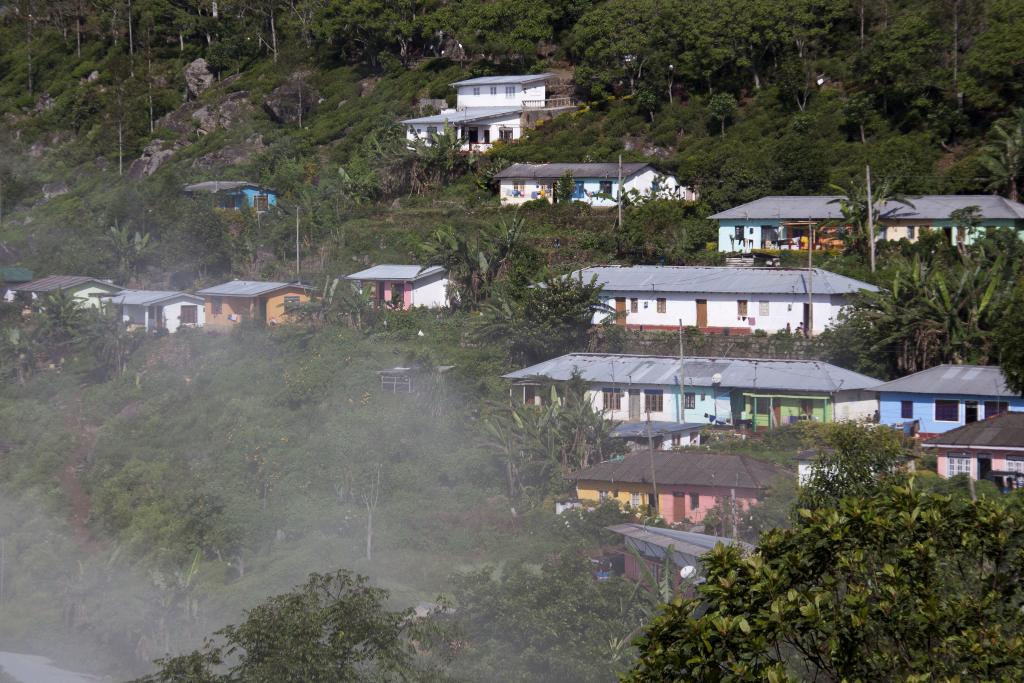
<point>250,194</point>
<point>751,233</point>
<point>924,409</point>
<point>593,186</point>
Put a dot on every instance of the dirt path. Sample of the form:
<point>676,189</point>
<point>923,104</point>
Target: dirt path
<point>84,436</point>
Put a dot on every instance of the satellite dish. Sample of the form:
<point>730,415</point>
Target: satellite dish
<point>687,572</point>
<point>716,378</point>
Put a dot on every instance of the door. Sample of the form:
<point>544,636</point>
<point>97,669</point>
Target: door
<point>702,313</point>
<point>474,136</point>
<point>379,293</point>
<point>984,467</point>
<point>398,295</point>
<point>487,136</point>
<point>807,319</point>
<point>634,405</point>
<point>620,311</point>
<point>970,411</point>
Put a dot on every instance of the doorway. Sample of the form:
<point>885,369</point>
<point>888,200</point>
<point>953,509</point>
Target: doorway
<point>807,320</point>
<point>634,404</point>
<point>702,314</point>
<point>620,311</point>
<point>984,467</point>
<point>970,411</point>
<point>474,136</point>
<point>652,502</point>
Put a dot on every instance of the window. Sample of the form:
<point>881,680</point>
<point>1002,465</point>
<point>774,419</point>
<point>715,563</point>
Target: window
<point>261,202</point>
<point>662,305</point>
<point>694,501</point>
<point>677,440</point>
<point>689,401</point>
<point>995,407</point>
<point>634,305</point>
<point>635,499</point>
<point>611,398</point>
<point>189,315</point>
<point>738,232</point>
<point>291,300</point>
<point>602,495</point>
<point>763,309</point>
<point>1014,464</point>
<point>654,400</point>
<point>215,305</point>
<point>494,90</point>
<point>910,232</point>
<point>505,134</point>
<point>431,130</point>
<point>957,465</point>
<point>947,411</point>
<point>907,410</point>
<point>476,91</point>
<point>529,394</point>
<point>510,91</point>
<point>605,187</point>
<point>741,308</point>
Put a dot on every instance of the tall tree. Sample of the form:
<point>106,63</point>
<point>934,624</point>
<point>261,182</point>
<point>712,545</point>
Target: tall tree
<point>1003,156</point>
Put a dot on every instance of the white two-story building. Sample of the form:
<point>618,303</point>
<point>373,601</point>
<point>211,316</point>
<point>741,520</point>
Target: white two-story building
<point>489,109</point>
<point>736,300</point>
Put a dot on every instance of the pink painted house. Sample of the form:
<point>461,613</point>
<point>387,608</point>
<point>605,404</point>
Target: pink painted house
<point>688,484</point>
<point>990,449</point>
<point>412,285</point>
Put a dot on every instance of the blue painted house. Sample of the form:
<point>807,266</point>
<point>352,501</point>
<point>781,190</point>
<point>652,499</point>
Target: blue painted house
<point>946,397</point>
<point>235,194</point>
<point>594,184</point>
<point>786,222</point>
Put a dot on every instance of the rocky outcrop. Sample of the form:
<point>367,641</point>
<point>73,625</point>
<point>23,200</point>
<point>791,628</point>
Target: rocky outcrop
<point>224,114</point>
<point>198,78</point>
<point>231,155</point>
<point>51,190</point>
<point>293,101</point>
<point>153,157</point>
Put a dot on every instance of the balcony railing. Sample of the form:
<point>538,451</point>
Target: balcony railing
<point>551,103</point>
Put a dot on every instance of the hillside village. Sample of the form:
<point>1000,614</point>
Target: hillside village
<point>529,329</point>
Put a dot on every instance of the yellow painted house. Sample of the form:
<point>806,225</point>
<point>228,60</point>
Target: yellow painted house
<point>86,290</point>
<point>228,304</point>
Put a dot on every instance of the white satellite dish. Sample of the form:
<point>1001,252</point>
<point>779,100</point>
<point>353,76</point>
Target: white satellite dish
<point>687,572</point>
<point>716,378</point>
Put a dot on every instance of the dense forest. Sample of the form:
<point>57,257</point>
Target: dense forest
<point>153,489</point>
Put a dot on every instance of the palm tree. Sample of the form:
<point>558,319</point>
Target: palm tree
<point>1003,157</point>
<point>853,203</point>
<point>131,248</point>
<point>474,262</point>
<point>62,319</point>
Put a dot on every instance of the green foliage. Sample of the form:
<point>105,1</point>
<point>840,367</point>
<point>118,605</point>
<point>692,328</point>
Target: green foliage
<point>1007,340</point>
<point>541,623</point>
<point>895,585</point>
<point>335,627</point>
<point>856,461</point>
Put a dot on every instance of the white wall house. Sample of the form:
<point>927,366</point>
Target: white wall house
<point>153,310</point>
<point>488,109</point>
<point>735,299</point>
<point>596,184</point>
<point>411,285</point>
<point>87,291</point>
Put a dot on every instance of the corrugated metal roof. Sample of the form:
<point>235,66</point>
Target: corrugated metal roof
<point>826,207</point>
<point>505,80</point>
<point>1005,430</point>
<point>467,115</point>
<point>247,288</point>
<point>579,171</point>
<point>388,271</point>
<point>688,542</point>
<point>219,185</point>
<point>634,430</point>
<point>148,297</point>
<point>735,373</point>
<point>721,280</point>
<point>682,469</point>
<point>52,283</point>
<point>974,380</point>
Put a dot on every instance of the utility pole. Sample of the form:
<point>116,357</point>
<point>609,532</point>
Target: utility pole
<point>619,198</point>
<point>871,219</point>
<point>650,450</point>
<point>297,278</point>
<point>682,377</point>
<point>810,284</point>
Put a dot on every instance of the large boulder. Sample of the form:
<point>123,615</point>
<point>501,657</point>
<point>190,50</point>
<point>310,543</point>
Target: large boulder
<point>224,114</point>
<point>198,77</point>
<point>153,157</point>
<point>231,155</point>
<point>293,101</point>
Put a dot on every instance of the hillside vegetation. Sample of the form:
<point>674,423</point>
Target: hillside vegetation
<point>152,488</point>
